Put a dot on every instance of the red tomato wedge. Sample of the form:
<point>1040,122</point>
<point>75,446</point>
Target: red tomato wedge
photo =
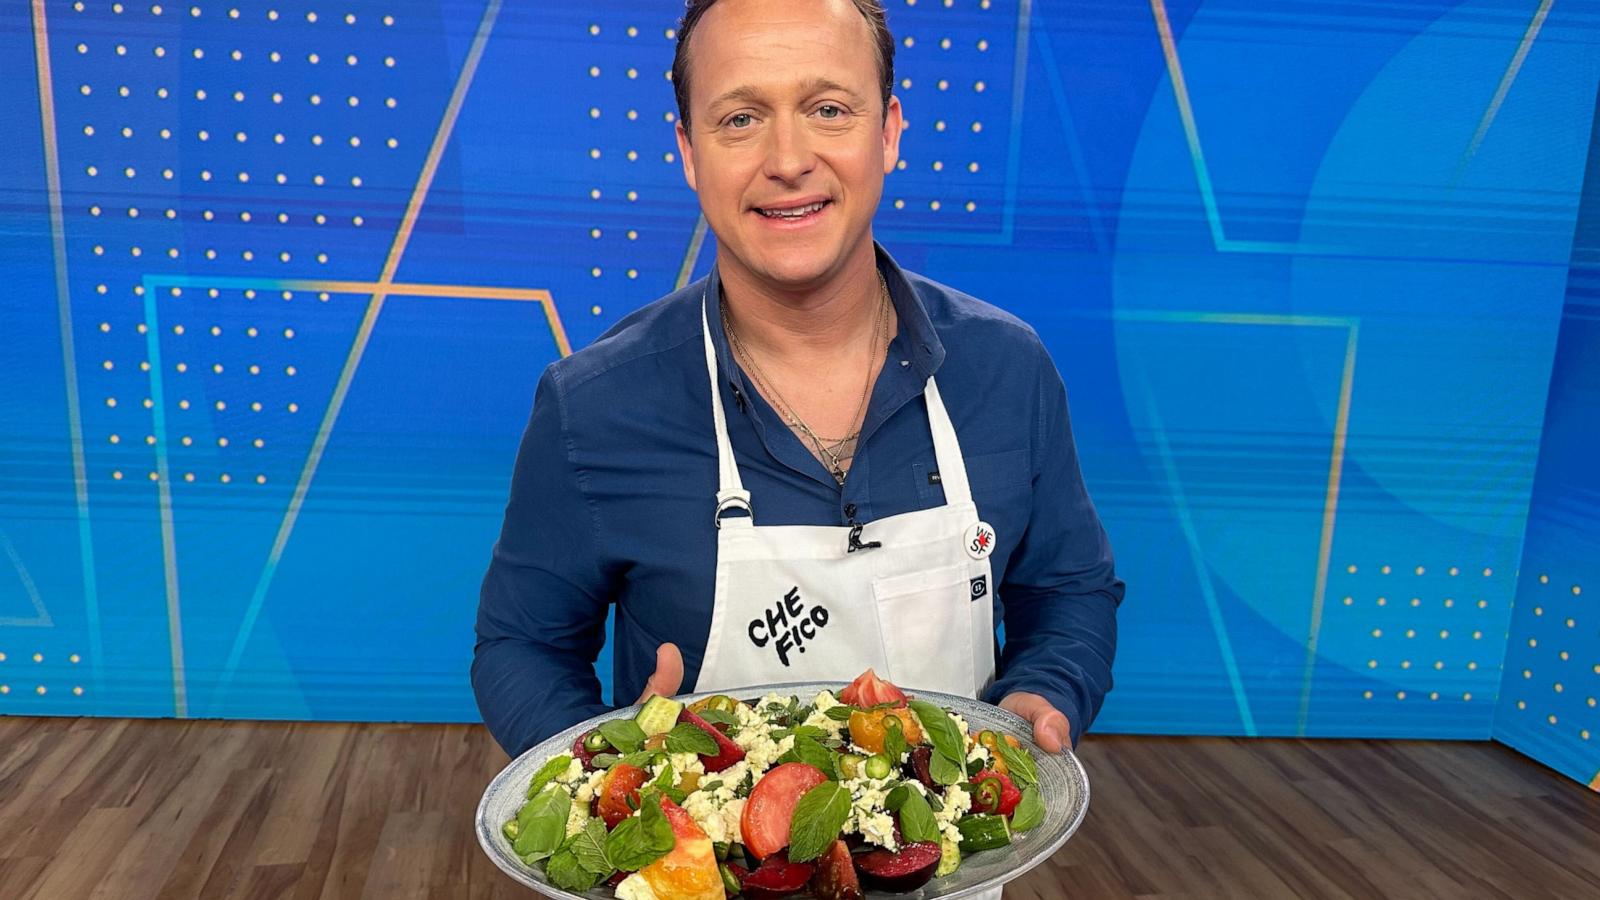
<point>765,823</point>
<point>728,752</point>
<point>619,783</point>
<point>870,690</point>
<point>689,871</point>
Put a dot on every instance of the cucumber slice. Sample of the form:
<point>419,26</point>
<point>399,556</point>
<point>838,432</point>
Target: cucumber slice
<point>877,766</point>
<point>658,715</point>
<point>949,857</point>
<point>850,765</point>
<point>983,832</point>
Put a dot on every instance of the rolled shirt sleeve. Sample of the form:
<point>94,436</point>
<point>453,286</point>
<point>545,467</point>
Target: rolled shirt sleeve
<point>1060,593</point>
<point>543,603</point>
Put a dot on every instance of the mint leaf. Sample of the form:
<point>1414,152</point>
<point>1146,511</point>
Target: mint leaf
<point>839,713</point>
<point>547,773</point>
<point>686,737</point>
<point>896,797</point>
<point>1019,763</point>
<point>590,847</point>
<point>949,762</point>
<point>916,818</point>
<point>567,872</point>
<point>717,717</point>
<point>542,823</point>
<point>808,751</point>
<point>818,819</point>
<point>894,738</point>
<point>623,734</point>
<point>1029,812</point>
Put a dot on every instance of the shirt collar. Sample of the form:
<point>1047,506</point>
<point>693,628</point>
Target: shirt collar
<point>917,341</point>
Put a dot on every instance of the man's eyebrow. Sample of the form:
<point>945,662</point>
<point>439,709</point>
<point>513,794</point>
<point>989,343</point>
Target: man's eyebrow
<point>751,94</point>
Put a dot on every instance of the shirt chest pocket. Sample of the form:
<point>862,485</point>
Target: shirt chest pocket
<point>991,475</point>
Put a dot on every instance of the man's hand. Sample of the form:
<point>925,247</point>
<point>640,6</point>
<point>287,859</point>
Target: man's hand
<point>1050,729</point>
<point>668,676</point>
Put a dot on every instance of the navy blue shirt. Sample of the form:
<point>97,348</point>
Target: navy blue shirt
<point>616,479</point>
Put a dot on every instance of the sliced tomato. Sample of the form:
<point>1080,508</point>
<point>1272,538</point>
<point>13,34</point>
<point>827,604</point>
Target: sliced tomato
<point>835,878</point>
<point>867,730</point>
<point>689,871</point>
<point>765,822</point>
<point>621,781</point>
<point>1005,801</point>
<point>870,690</point>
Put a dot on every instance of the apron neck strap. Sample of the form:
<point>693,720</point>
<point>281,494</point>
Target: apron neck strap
<point>946,448</point>
<point>730,490</point>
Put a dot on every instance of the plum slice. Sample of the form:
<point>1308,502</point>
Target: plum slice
<point>899,871</point>
<point>778,877</point>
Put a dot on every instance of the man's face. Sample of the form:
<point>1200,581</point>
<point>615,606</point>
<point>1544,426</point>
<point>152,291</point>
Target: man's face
<point>788,143</point>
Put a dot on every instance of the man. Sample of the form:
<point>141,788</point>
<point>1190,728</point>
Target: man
<point>762,472</point>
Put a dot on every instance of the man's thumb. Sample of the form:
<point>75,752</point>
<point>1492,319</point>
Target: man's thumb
<point>668,676</point>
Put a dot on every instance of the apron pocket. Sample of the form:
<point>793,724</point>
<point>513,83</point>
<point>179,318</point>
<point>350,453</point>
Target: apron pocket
<point>927,629</point>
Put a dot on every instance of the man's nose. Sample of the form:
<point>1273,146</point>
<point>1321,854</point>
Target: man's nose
<point>789,152</point>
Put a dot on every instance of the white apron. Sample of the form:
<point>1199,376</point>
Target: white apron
<point>908,596</point>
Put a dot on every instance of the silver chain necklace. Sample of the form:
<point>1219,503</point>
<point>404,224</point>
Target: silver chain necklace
<point>832,453</point>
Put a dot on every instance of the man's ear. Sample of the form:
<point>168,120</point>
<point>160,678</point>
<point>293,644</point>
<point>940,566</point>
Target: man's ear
<point>893,124</point>
<point>686,154</point>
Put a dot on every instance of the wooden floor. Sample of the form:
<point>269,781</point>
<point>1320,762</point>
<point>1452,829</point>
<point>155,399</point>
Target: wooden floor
<point>110,808</point>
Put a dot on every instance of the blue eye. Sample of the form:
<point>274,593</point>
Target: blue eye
<point>739,120</point>
<point>830,111</point>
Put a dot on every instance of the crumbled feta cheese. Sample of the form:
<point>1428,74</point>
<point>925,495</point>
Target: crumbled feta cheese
<point>961,724</point>
<point>759,748</point>
<point>876,827</point>
<point>978,753</point>
<point>734,775</point>
<point>634,887</point>
<point>868,817</point>
<point>704,808</point>
<point>747,715</point>
<point>957,803</point>
<point>825,701</point>
<point>573,772</point>
<point>687,762</point>
<point>577,816</point>
<point>589,787</point>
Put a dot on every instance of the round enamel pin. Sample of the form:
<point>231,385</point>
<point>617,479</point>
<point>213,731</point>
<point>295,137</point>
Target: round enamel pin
<point>979,540</point>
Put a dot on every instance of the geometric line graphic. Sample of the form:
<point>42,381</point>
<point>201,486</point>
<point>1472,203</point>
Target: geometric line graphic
<point>1202,171</point>
<point>44,82</point>
<point>1330,505</point>
<point>41,616</point>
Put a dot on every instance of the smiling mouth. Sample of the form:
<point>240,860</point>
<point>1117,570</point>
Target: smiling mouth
<point>794,213</point>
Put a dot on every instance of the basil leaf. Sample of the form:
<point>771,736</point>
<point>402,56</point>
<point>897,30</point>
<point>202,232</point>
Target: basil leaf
<point>1029,812</point>
<point>547,773</point>
<point>896,797</point>
<point>688,738</point>
<point>1019,763</point>
<point>818,818</point>
<point>640,840</point>
<point>590,847</point>
<point>839,713</point>
<point>809,731</point>
<point>808,751</point>
<point>916,819</point>
<point>717,717</point>
<point>949,762</point>
<point>936,804</point>
<point>567,872</point>
<point>623,734</point>
<point>543,824</point>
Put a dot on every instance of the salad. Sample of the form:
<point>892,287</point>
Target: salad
<point>832,794</point>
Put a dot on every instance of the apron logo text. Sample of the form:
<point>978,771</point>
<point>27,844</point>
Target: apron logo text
<point>788,625</point>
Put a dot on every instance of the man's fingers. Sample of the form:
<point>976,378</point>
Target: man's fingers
<point>668,676</point>
<point>1050,727</point>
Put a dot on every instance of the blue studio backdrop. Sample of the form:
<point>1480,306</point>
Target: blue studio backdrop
<point>281,277</point>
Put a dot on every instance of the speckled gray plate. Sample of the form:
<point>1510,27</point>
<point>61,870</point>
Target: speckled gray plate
<point>1062,782</point>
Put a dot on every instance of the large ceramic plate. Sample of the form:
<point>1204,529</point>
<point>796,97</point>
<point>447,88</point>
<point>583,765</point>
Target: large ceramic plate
<point>1062,783</point>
